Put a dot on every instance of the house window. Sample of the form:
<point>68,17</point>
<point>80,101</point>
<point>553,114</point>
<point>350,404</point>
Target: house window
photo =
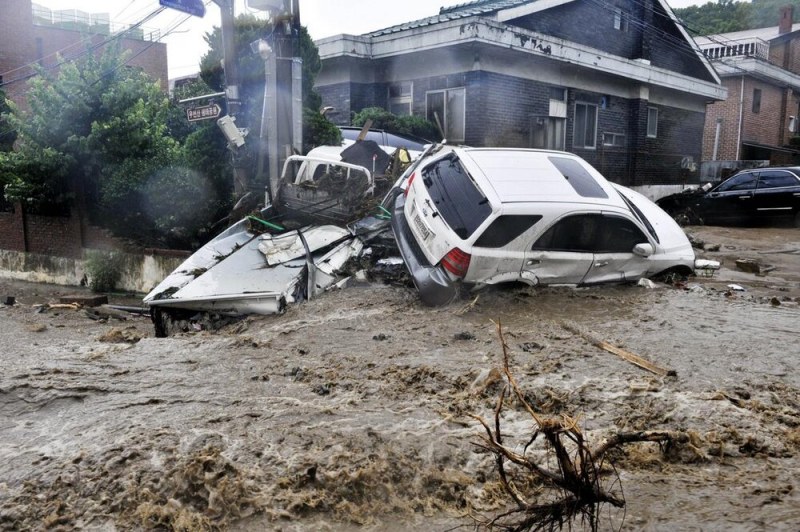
<point>756,100</point>
<point>585,126</point>
<point>558,93</point>
<point>450,107</point>
<point>620,20</point>
<point>401,98</point>
<point>616,140</point>
<point>652,122</point>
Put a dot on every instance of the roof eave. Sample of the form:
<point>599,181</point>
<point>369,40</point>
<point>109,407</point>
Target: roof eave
<point>482,30</point>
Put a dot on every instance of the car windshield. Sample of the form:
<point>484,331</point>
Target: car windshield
<point>640,216</point>
<point>456,196</point>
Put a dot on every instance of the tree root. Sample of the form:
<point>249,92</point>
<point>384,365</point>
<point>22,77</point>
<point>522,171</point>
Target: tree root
<point>575,485</point>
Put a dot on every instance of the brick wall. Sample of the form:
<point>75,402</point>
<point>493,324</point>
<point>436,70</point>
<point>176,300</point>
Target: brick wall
<point>767,127</point>
<point>763,127</point>
<point>785,53</point>
<point>12,232</point>
<point>499,109</point>
<point>583,22</point>
<point>16,46</point>
<point>149,56</point>
<point>348,99</point>
<point>58,236</point>
<point>580,22</point>
<point>23,43</point>
<point>728,112</point>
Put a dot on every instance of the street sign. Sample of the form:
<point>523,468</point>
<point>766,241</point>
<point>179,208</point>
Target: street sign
<point>203,112</point>
<point>193,7</point>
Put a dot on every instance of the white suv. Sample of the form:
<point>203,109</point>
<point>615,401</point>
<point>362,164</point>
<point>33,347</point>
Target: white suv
<point>491,215</point>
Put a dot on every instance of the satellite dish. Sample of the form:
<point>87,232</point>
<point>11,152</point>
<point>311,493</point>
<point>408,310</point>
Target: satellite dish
<point>268,5</point>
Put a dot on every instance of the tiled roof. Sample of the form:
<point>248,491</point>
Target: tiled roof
<point>467,9</point>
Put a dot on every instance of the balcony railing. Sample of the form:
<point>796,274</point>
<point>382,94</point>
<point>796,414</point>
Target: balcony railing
<point>94,23</point>
<point>756,48</point>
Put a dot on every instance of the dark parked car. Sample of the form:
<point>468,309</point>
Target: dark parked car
<point>751,196</point>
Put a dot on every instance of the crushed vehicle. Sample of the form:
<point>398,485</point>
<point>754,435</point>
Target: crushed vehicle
<point>481,216</point>
<point>752,196</point>
<point>327,210</point>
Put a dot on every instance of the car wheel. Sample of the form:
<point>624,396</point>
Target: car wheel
<point>687,217</point>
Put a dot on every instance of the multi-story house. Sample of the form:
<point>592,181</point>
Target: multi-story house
<point>759,120</point>
<point>32,34</point>
<point>618,82</point>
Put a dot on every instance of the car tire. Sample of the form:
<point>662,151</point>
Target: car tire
<point>686,217</point>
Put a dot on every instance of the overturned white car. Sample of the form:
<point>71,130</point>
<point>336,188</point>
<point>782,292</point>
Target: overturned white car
<point>490,215</point>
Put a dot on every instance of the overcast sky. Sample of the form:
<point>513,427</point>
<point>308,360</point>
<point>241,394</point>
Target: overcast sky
<point>323,18</point>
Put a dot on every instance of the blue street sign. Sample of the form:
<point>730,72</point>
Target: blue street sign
<point>193,7</point>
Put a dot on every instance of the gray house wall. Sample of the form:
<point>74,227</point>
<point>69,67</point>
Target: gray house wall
<point>499,110</point>
<point>507,85</point>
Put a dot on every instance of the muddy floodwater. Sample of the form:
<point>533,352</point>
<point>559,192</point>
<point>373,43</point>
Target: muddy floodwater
<point>354,411</point>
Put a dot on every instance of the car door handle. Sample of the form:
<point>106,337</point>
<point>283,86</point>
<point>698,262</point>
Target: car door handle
<point>533,262</point>
<point>600,264</point>
<point>745,197</point>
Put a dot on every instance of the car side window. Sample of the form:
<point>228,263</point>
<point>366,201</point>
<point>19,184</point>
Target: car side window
<point>591,233</point>
<point>777,179</point>
<point>576,233</point>
<point>618,235</point>
<point>744,181</point>
<point>506,228</point>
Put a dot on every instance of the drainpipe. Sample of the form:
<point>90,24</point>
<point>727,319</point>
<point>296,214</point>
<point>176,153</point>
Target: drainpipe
<point>716,139</point>
<point>741,110</point>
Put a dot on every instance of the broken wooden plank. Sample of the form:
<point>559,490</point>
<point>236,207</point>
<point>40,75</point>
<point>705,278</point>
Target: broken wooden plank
<point>84,300</point>
<point>622,353</point>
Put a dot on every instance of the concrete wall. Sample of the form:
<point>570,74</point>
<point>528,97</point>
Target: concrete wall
<point>141,272</point>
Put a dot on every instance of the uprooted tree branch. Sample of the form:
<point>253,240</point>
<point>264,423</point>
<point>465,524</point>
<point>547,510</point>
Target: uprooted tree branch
<point>574,490</point>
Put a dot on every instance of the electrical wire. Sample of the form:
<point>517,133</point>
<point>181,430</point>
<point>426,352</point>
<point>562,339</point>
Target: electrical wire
<point>87,51</point>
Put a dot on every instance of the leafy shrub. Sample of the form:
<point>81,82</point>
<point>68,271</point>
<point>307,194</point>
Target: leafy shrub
<point>401,125</point>
<point>104,270</point>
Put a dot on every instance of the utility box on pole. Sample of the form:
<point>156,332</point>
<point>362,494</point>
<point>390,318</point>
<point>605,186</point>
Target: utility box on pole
<point>282,126</point>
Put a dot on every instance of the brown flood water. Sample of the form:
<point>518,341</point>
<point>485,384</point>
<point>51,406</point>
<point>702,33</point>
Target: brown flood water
<point>353,411</point>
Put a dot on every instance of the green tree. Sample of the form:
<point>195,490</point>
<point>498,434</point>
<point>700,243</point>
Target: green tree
<point>7,133</point>
<point>96,136</point>
<point>725,16</point>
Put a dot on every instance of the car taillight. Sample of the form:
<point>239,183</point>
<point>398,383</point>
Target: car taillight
<point>456,262</point>
<point>408,185</point>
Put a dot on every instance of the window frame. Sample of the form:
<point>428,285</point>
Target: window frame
<point>461,137</point>
<point>756,105</point>
<point>652,122</point>
<point>585,146</point>
<point>727,186</point>
<point>614,136</point>
<point>403,99</point>
<point>765,175</point>
<point>620,20</point>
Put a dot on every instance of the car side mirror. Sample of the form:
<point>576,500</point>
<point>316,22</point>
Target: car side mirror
<point>644,250</point>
